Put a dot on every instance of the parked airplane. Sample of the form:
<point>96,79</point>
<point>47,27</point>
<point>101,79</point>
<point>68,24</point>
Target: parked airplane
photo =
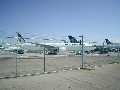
<point>74,42</point>
<point>13,46</point>
<point>35,47</point>
<point>112,46</point>
<point>73,45</point>
<point>107,47</point>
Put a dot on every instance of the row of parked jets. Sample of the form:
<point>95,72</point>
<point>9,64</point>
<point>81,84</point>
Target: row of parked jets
<point>73,46</point>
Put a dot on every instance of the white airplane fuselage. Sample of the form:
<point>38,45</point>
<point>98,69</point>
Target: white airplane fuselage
<point>71,46</point>
<point>113,45</point>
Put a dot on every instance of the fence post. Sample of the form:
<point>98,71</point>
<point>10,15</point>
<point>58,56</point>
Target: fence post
<point>82,52</point>
<point>16,64</point>
<point>44,59</point>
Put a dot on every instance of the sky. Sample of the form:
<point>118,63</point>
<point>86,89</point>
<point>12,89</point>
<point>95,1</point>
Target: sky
<point>95,19</point>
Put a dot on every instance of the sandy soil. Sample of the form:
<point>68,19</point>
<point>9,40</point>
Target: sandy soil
<point>102,78</point>
<point>106,75</point>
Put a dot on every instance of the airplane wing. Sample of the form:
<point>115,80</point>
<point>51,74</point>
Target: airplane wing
<point>43,45</point>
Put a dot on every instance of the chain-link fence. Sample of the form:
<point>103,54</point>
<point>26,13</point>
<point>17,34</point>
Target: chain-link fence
<point>15,64</point>
<point>7,64</point>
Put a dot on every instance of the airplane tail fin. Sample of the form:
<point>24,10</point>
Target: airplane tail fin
<point>20,37</point>
<point>107,41</point>
<point>72,39</point>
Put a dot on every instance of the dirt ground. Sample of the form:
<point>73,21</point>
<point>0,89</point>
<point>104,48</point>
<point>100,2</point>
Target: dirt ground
<point>106,75</point>
<point>102,78</point>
